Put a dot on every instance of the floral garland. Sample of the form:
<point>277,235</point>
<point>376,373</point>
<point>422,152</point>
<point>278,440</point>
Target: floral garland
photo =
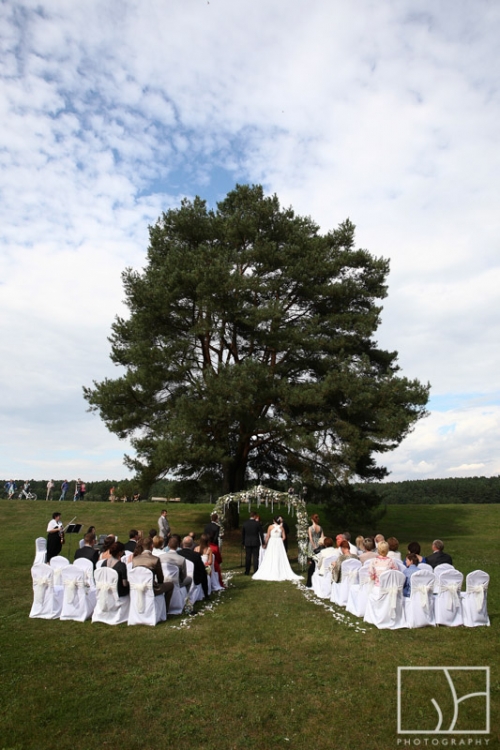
<point>264,496</point>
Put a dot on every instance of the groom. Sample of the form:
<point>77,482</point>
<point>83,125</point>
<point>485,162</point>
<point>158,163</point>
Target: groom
<point>252,537</point>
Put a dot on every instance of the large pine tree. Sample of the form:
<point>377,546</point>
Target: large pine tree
<point>249,349</point>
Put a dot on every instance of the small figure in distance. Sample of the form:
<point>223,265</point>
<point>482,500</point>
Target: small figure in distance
<point>50,489</point>
<point>64,489</point>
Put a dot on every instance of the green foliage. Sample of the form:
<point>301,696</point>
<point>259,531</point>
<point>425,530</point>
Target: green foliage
<point>249,350</point>
<point>437,491</point>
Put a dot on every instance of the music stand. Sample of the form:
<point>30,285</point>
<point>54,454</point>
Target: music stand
<point>72,528</point>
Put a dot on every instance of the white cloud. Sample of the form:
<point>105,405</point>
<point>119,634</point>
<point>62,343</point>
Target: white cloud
<point>111,112</point>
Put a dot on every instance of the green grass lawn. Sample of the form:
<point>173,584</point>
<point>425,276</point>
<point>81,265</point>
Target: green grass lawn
<point>262,666</point>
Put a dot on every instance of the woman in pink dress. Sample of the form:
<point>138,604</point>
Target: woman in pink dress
<point>381,563</point>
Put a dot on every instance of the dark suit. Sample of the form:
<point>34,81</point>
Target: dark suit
<point>252,537</point>
<point>121,571</point>
<point>199,572</point>
<point>88,553</point>
<point>130,546</point>
<point>438,558</point>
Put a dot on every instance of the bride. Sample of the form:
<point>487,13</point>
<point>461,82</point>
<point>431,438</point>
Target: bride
<point>275,565</point>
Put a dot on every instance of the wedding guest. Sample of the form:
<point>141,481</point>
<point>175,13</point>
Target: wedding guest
<point>213,528</point>
<point>109,540</point>
<point>411,568</point>
<point>199,572</point>
<point>327,551</point>
<point>158,545</point>
<point>133,536</point>
<point>379,538</point>
<point>114,561</point>
<point>87,552</point>
<point>352,547</point>
<point>143,557</point>
<point>217,558</point>
<point>170,555</point>
<point>393,548</point>
<point>414,548</point>
<point>345,554</point>
<point>360,544</point>
<point>381,563</point>
<point>438,557</point>
<point>205,551</point>
<point>163,525</point>
<point>314,534</point>
<point>370,550</point>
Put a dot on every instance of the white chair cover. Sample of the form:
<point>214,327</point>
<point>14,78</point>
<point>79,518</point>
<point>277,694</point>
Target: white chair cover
<point>58,564</point>
<point>40,550</point>
<point>400,564</point>
<point>322,581</point>
<point>419,606</point>
<point>44,604</point>
<point>448,605</point>
<point>81,543</point>
<point>349,577</point>
<point>359,592</point>
<point>437,572</point>
<point>110,608</point>
<point>426,566</point>
<point>179,594</point>
<point>475,599</point>
<point>88,569</point>
<point>145,607</point>
<point>385,604</point>
<point>77,603</point>
<point>195,592</point>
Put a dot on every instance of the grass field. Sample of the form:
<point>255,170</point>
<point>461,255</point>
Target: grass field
<point>262,666</point>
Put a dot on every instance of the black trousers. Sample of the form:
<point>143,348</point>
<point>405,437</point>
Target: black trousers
<point>251,555</point>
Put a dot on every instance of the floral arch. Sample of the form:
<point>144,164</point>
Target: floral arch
<point>260,495</point>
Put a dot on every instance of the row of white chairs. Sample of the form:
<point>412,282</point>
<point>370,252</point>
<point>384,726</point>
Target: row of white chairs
<point>77,592</point>
<point>435,596</point>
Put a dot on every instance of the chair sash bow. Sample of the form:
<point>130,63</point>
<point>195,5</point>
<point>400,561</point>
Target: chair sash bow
<point>392,593</point>
<point>424,592</point>
<point>40,585</point>
<point>141,589</point>
<point>479,593</point>
<point>106,595</point>
<point>72,585</point>
<point>453,598</point>
<point>58,576</point>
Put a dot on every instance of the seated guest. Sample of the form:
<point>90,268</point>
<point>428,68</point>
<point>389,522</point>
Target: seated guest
<point>133,536</point>
<point>87,552</point>
<point>411,568</point>
<point>158,545</point>
<point>414,548</point>
<point>110,539</point>
<point>381,563</point>
<point>204,550</point>
<point>114,561</point>
<point>199,572</point>
<point>352,547</point>
<point>438,557</point>
<point>143,557</point>
<point>360,544</point>
<point>393,548</point>
<point>345,554</point>
<point>217,558</point>
<point>379,538</point>
<point>328,550</point>
<point>170,556</point>
<point>152,533</point>
<point>369,550</point>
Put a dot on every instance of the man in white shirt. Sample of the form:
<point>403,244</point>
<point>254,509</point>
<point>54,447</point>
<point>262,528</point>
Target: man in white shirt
<point>171,557</point>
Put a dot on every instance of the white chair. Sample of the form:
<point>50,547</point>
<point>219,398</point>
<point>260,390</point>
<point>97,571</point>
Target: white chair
<point>81,543</point>
<point>401,565</point>
<point>77,604</point>
<point>44,604</point>
<point>385,604</point>
<point>358,593</point>
<point>475,599</point>
<point>321,580</point>
<point>58,564</point>
<point>195,592</point>
<point>349,576</point>
<point>426,566</point>
<point>88,568</point>
<point>110,608</point>
<point>448,604</point>
<point>40,550</point>
<point>145,607</point>
<point>419,606</point>
<point>179,594</point>
<point>437,572</point>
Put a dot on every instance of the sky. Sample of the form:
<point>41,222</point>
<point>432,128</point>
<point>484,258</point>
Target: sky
<point>386,113</point>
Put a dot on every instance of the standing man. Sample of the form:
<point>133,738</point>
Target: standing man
<point>11,488</point>
<point>55,537</point>
<point>163,526</point>
<point>252,537</point>
<point>78,485</point>
<point>50,489</point>
<point>213,529</point>
<point>64,489</point>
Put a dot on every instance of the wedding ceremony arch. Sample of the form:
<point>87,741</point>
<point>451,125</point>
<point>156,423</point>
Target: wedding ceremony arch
<point>257,496</point>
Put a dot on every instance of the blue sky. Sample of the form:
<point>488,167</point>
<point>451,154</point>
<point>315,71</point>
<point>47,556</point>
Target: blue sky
<point>113,112</point>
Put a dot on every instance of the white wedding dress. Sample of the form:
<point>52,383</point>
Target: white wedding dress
<point>275,565</point>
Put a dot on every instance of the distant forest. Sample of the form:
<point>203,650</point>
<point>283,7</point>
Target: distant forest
<point>412,492</point>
